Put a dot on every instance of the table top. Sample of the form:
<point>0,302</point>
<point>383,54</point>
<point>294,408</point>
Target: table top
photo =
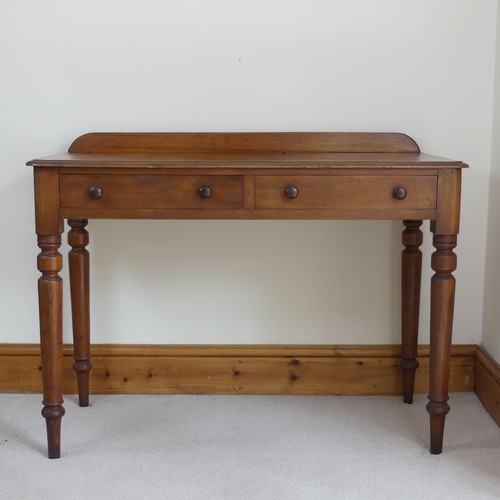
<point>274,160</point>
<point>243,150</point>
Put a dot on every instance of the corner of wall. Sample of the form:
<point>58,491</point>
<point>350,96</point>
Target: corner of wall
<point>491,308</point>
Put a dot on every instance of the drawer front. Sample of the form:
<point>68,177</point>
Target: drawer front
<point>151,191</point>
<point>345,192</point>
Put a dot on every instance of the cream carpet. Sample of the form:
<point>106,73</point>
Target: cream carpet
<point>248,447</point>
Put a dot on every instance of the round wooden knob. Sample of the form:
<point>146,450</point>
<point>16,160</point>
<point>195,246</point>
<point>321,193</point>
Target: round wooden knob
<point>292,192</point>
<point>400,193</point>
<point>95,192</point>
<point>205,192</point>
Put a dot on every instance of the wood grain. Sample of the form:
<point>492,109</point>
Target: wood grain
<point>345,192</point>
<point>47,219</point>
<point>487,383</point>
<point>152,191</point>
<point>411,277</point>
<point>226,369</point>
<point>448,208</point>
<point>248,142</point>
<point>79,278</point>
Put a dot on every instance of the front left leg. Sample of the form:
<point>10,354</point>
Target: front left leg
<point>50,307</point>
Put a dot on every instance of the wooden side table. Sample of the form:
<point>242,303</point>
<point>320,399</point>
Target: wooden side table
<point>245,176</point>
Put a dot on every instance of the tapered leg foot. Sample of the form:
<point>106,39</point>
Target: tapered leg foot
<point>53,416</point>
<point>437,414</point>
<point>82,369</point>
<point>409,367</point>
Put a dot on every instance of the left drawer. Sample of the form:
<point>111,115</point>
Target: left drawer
<point>151,191</point>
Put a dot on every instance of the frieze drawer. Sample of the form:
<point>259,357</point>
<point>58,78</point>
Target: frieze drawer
<point>345,192</point>
<point>151,191</point>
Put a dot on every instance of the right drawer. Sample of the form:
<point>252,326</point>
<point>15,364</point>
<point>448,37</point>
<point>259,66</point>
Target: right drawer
<point>304,192</point>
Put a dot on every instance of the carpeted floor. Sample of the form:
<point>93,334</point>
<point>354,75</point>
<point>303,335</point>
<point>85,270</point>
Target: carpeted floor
<point>248,447</point>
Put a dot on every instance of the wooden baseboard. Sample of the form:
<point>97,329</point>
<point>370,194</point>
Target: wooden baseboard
<point>236,369</point>
<point>487,383</point>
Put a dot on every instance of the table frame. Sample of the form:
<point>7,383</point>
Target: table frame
<point>335,176</point>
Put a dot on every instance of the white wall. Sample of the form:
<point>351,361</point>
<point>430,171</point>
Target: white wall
<point>425,68</point>
<point>491,336</point>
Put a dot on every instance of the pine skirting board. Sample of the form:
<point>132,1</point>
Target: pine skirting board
<point>240,369</point>
<point>487,383</point>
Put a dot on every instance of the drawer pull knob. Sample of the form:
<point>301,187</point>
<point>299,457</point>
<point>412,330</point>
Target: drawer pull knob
<point>291,192</point>
<point>400,193</point>
<point>205,192</point>
<point>95,192</point>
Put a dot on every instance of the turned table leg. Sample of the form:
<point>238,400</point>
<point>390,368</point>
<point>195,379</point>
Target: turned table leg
<point>444,262</point>
<point>411,272</point>
<point>78,239</point>
<point>50,307</point>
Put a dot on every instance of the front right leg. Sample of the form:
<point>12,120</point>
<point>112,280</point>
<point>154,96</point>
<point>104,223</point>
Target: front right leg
<point>444,262</point>
<point>50,310</point>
